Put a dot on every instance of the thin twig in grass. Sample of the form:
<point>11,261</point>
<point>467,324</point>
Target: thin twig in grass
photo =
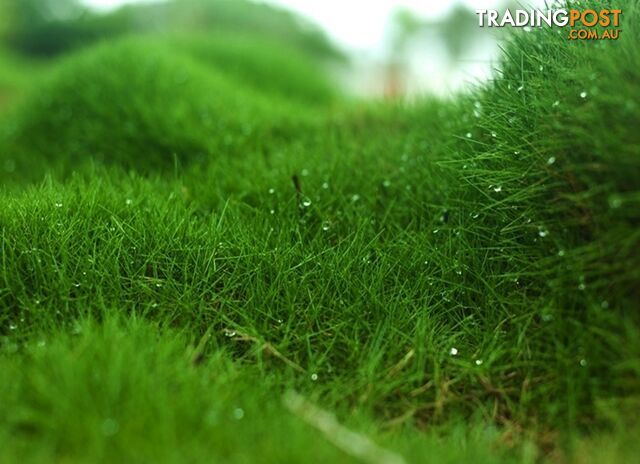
<point>354,444</point>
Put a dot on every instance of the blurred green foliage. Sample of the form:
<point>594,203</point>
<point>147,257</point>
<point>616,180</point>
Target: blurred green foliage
<point>50,27</point>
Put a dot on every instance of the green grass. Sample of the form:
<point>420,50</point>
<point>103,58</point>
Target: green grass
<point>456,281</point>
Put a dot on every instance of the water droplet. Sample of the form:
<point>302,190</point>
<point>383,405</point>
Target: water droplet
<point>272,211</point>
<point>541,68</point>
<point>475,215</point>
<point>615,202</point>
<point>521,88</point>
<point>583,94</point>
<point>543,232</point>
<point>556,103</point>
<point>469,135</point>
<point>129,201</point>
<point>58,205</point>
<point>326,226</point>
<point>77,284</point>
<point>582,285</point>
<point>497,188</point>
<point>355,197</point>
<point>561,253</point>
<point>325,185</point>
<point>386,183</point>
<point>306,202</point>
<point>314,376</point>
<point>479,362</point>
<point>41,344</point>
<point>604,304</point>
<point>583,363</point>
<point>110,427</point>
<point>551,160</point>
<point>158,285</point>
<point>305,172</point>
<point>12,327</point>
<point>229,333</point>
<point>272,191</point>
<point>453,351</point>
<point>238,413</point>
<point>435,231</point>
<point>493,134</point>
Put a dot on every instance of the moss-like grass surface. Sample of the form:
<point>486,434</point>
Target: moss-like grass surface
<point>198,267</point>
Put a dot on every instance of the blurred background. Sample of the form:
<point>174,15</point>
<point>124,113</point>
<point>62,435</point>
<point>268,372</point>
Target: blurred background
<point>375,49</point>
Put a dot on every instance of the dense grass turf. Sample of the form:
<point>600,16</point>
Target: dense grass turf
<point>410,268</point>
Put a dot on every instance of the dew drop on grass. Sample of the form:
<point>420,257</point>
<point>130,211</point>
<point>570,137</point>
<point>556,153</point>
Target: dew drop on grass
<point>583,363</point>
<point>129,202</point>
<point>305,172</point>
<point>561,253</point>
<point>497,188</point>
<point>58,205</point>
<point>551,160</point>
<point>556,103</point>
<point>477,111</point>
<point>12,327</point>
<point>582,285</point>
<point>615,202</point>
<point>110,427</point>
<point>325,185</point>
<point>273,211</point>
<point>479,362</point>
<point>229,333</point>
<point>272,191</point>
<point>306,202</point>
<point>386,183</point>
<point>475,215</point>
<point>583,94</point>
<point>41,344</point>
<point>541,68</point>
<point>314,376</point>
<point>355,197</point>
<point>493,134</point>
<point>543,232</point>
<point>604,304</point>
<point>453,351</point>
<point>435,231</point>
<point>521,88</point>
<point>238,413</point>
<point>326,226</point>
<point>468,135</point>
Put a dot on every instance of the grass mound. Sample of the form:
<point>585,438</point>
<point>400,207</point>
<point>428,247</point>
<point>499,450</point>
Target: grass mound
<point>53,27</point>
<point>142,105</point>
<point>408,267</point>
